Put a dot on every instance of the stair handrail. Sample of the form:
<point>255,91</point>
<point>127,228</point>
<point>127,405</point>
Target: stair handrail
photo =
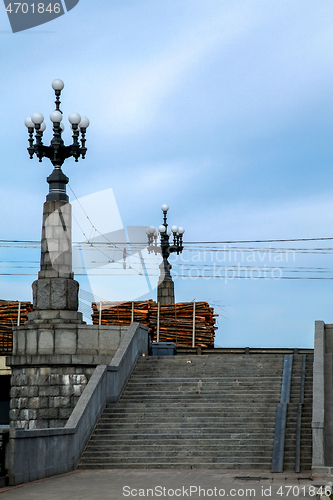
<point>281,415</point>
<point>299,418</point>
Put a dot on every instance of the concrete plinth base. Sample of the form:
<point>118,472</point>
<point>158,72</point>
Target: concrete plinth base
<point>322,472</point>
<point>54,317</point>
<point>166,292</point>
<point>55,294</point>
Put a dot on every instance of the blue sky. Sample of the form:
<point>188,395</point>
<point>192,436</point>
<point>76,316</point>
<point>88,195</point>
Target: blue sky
<point>222,109</point>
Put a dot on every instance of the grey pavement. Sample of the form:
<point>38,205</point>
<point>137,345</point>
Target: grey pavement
<point>116,484</point>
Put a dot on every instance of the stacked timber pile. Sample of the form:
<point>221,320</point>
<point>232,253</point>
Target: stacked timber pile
<point>122,313</point>
<point>9,312</point>
<point>168,323</point>
<point>176,324</point>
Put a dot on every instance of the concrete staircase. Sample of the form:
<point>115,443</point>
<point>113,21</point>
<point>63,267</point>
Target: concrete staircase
<point>192,411</point>
<point>209,411</point>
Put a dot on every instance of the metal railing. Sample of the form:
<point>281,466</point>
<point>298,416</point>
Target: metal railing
<point>299,418</point>
<point>281,415</point>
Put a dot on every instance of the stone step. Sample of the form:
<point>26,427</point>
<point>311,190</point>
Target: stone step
<point>195,369</point>
<point>251,464</point>
<point>213,379</point>
<point>155,429</point>
<point>204,394</point>
<point>102,447</point>
<point>201,439</point>
<point>180,399</point>
<point>208,458</point>
<point>221,447</point>
<point>193,403</point>
<point>166,449</point>
<point>177,453</point>
<point>183,415</point>
<point>183,423</point>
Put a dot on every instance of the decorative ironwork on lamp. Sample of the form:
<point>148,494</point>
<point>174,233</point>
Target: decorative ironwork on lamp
<point>165,248</point>
<point>57,152</point>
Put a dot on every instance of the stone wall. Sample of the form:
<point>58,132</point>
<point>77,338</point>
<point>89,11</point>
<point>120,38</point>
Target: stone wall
<point>45,396</point>
<point>51,365</point>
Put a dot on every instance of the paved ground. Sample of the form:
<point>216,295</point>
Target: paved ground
<point>119,484</point>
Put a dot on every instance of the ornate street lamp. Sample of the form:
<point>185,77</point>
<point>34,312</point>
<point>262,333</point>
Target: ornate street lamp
<point>165,294</point>
<point>57,152</point>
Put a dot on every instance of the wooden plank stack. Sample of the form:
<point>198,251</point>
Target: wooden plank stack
<point>176,324</point>
<point>8,318</point>
<point>121,313</point>
<point>175,321</point>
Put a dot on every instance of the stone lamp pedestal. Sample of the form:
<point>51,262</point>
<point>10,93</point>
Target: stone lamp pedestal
<point>55,352</point>
<point>166,292</point>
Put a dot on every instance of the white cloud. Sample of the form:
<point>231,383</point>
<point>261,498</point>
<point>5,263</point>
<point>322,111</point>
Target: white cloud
<point>136,93</point>
<point>299,218</point>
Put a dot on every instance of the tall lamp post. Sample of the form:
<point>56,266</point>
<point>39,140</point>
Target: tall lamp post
<point>55,288</point>
<point>165,288</point>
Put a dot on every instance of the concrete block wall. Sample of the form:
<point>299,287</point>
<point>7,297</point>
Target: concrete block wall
<point>45,396</point>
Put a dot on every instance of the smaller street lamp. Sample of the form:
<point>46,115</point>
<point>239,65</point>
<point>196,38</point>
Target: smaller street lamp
<point>165,248</point>
<point>57,152</point>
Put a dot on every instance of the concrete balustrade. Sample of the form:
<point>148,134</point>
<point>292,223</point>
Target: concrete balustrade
<point>65,339</point>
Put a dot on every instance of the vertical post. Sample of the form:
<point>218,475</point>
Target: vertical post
<point>132,316</point>
<point>318,405</point>
<point>193,332</point>
<point>299,418</point>
<point>100,313</point>
<point>158,322</point>
<point>281,415</point>
<point>19,314</point>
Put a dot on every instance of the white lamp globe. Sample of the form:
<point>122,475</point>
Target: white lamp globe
<point>74,118</point>
<point>174,229</point>
<point>156,233</point>
<point>56,116</point>
<point>28,122</point>
<point>181,230</point>
<point>57,84</point>
<point>162,228</point>
<point>165,208</point>
<point>37,118</point>
<point>168,232</point>
<point>42,127</point>
<point>62,126</point>
<point>150,230</point>
<point>84,123</point>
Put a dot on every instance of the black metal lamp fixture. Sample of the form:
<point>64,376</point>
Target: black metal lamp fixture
<point>57,152</point>
<point>165,248</point>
